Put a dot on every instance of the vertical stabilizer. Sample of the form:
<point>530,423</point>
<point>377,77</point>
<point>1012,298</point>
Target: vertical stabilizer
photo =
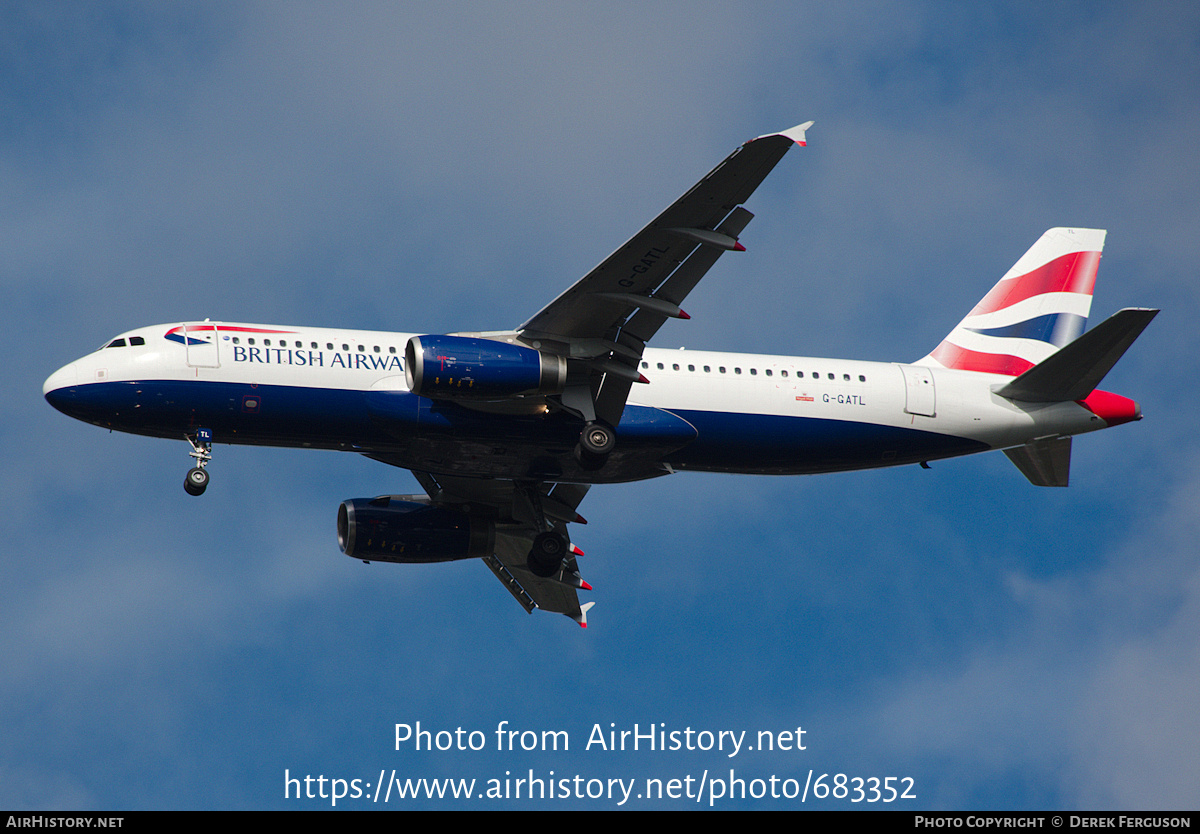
<point>1041,304</point>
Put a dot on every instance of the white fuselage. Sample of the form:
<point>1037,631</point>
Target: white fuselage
<point>750,413</point>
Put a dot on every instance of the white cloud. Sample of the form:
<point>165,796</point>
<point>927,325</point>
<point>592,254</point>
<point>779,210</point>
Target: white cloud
<point>1090,690</point>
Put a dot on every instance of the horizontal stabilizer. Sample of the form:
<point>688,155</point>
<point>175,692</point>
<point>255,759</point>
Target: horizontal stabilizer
<point>1077,368</point>
<point>1045,462</point>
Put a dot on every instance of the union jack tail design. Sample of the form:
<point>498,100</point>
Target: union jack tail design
<point>1041,304</point>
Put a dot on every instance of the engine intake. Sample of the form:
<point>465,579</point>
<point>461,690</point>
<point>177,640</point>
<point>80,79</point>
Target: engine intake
<point>462,367</point>
<point>390,530</point>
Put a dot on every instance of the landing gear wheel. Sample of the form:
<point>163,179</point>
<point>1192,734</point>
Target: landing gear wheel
<point>546,556</point>
<point>196,481</point>
<point>597,439</point>
<point>595,444</point>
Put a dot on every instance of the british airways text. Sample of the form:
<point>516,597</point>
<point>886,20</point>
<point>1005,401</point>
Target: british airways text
<point>316,358</point>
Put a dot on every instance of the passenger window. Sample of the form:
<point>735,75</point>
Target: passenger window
<point>645,364</point>
<point>737,370</point>
<point>831,376</point>
<point>754,372</point>
<point>691,367</point>
<point>707,369</point>
<point>722,369</point>
<point>660,366</point>
<point>846,377</point>
<point>862,378</point>
<point>675,367</point>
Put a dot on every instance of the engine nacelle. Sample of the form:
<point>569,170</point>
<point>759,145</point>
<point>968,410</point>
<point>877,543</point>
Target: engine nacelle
<point>390,530</point>
<point>462,367</point>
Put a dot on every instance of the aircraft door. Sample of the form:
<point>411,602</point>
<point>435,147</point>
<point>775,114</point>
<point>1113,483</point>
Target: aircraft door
<point>201,342</point>
<point>920,397</point>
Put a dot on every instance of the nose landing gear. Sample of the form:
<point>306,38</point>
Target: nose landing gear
<point>197,478</point>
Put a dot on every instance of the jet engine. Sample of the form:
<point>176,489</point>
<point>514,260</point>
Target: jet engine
<point>462,367</point>
<point>393,530</point>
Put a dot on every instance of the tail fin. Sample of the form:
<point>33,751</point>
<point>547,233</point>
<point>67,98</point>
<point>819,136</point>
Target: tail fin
<point>1041,304</point>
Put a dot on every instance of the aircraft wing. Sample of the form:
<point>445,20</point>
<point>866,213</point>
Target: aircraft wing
<point>607,316</point>
<point>521,512</point>
<point>559,593</point>
<point>602,323</point>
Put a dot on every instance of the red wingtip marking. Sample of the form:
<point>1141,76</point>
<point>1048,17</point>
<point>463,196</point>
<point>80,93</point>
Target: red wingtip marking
<point>585,585</point>
<point>683,315</point>
<point>583,625</point>
<point>576,551</point>
<point>642,379</point>
<point>737,247</point>
<point>580,519</point>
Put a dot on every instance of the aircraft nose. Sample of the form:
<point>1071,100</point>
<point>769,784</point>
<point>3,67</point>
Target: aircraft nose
<point>64,377</point>
<point>61,378</point>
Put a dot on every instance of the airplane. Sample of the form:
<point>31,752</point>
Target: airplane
<point>506,431</point>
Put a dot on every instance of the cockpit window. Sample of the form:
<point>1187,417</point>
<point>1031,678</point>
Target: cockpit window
<point>116,343</point>
<point>136,341</point>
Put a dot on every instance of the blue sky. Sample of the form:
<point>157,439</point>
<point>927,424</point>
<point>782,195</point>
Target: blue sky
<point>431,168</point>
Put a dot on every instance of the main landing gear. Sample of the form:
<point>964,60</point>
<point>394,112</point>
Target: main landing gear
<point>550,546</point>
<point>546,556</point>
<point>595,443</point>
<point>197,477</point>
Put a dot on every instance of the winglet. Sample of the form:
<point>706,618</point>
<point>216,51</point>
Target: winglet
<point>582,618</point>
<point>796,134</point>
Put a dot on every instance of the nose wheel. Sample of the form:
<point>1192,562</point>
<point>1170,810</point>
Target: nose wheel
<point>196,481</point>
<point>197,477</point>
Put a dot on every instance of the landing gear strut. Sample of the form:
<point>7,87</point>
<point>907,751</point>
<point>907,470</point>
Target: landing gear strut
<point>595,443</point>
<point>197,478</point>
